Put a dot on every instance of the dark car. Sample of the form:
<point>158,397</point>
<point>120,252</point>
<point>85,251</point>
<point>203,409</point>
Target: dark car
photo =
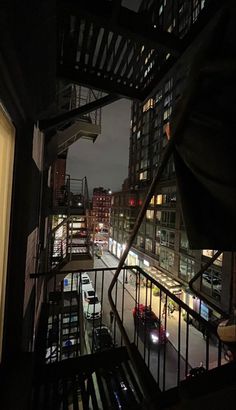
<point>102,339</point>
<point>148,326</point>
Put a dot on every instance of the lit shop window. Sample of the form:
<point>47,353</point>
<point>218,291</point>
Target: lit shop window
<point>149,104</point>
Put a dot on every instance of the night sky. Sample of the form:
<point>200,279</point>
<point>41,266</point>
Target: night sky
<point>105,163</point>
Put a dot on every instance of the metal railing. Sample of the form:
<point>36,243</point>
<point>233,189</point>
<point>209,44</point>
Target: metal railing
<point>73,96</point>
<point>73,194</point>
<point>177,340</point>
<point>68,240</point>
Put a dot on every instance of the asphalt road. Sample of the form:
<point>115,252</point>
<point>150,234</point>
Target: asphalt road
<point>162,362</point>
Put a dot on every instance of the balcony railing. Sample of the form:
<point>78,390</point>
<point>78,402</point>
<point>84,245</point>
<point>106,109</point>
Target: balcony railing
<point>174,340</point>
<point>72,197</point>
<point>68,240</point>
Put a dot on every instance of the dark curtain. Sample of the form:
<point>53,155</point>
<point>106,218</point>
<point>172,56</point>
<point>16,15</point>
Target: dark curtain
<point>204,128</point>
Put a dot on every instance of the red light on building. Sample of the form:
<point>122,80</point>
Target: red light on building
<point>131,202</point>
<point>140,202</point>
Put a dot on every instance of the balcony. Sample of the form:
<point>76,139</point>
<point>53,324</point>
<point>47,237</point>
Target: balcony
<point>154,365</point>
<point>72,198</point>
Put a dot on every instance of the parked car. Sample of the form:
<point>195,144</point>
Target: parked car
<point>148,326</point>
<point>86,283</point>
<point>91,305</point>
<point>101,338</point>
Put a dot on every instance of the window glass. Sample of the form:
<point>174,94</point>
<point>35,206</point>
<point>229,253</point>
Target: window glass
<point>148,244</point>
<point>186,268</point>
<point>166,259</point>
<point>212,283</point>
<point>150,214</point>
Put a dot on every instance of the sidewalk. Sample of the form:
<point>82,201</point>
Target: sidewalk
<point>196,344</point>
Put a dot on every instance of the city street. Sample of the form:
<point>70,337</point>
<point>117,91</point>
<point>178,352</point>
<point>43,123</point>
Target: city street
<point>167,355</point>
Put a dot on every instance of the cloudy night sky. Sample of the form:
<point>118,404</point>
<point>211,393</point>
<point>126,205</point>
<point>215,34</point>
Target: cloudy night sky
<point>105,163</point>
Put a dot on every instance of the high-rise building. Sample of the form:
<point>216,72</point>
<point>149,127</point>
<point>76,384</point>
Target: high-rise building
<point>162,242</point>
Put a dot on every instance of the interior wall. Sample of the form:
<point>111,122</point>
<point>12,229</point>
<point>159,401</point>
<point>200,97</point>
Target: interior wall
<point>7,145</point>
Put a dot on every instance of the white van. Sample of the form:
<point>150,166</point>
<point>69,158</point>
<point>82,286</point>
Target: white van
<point>91,305</point>
<point>86,283</point>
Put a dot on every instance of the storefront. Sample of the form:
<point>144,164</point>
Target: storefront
<point>132,259</point>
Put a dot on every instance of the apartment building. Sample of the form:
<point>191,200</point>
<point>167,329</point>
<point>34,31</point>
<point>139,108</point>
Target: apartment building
<point>162,242</point>
<point>101,206</point>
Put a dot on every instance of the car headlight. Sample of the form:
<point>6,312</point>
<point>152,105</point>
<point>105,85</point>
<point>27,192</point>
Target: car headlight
<point>155,338</point>
<point>167,334</point>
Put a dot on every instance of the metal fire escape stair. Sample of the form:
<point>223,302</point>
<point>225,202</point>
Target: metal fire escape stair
<point>104,380</point>
<point>78,116</point>
<point>82,128</point>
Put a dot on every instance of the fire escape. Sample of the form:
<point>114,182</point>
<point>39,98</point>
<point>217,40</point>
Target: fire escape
<point>107,47</point>
<point>69,372</point>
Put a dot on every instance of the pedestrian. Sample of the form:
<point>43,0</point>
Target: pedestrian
<point>111,317</point>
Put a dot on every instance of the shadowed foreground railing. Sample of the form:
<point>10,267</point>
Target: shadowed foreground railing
<point>174,340</point>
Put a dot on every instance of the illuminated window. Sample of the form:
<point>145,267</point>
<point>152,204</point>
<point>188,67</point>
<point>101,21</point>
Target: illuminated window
<point>143,175</point>
<point>140,241</point>
<point>158,216</point>
<point>131,202</point>
<point>167,113</point>
<point>152,202</point>
<point>210,253</point>
<point>149,104</point>
<point>148,244</point>
<point>184,241</point>
<point>186,268</point>
<point>149,214</point>
<point>167,238</point>
<point>166,259</point>
<point>159,199</point>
